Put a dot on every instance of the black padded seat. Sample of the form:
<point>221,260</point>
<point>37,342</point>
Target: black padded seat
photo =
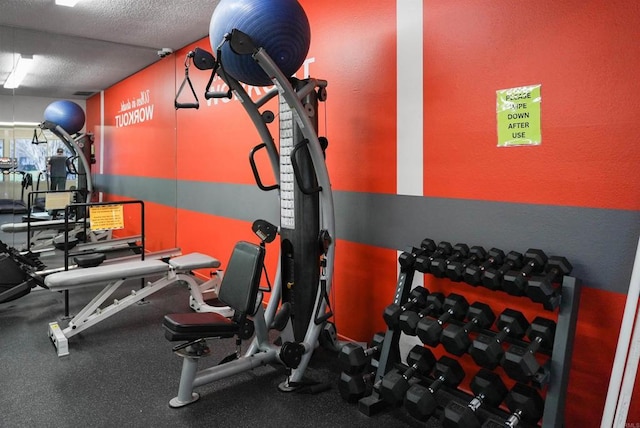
<point>90,260</point>
<point>193,326</point>
<point>58,242</point>
<point>238,290</point>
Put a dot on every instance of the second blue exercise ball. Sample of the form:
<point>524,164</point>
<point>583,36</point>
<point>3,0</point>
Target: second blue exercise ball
<point>280,27</point>
<point>66,114</point>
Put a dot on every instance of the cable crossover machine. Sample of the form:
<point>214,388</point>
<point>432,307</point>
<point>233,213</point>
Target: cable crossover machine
<point>298,307</point>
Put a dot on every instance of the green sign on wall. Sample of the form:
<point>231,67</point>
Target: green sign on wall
<point>518,111</point>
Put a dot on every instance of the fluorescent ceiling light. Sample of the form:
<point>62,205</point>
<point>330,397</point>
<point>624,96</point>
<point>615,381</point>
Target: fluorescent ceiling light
<point>22,67</point>
<point>69,3</point>
<point>21,124</point>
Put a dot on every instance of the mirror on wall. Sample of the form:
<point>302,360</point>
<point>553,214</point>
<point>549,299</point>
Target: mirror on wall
<point>121,156</point>
<point>24,170</point>
<point>9,192</point>
<point>25,166</point>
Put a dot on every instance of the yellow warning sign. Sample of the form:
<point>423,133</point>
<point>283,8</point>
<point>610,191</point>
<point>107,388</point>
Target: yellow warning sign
<point>106,217</point>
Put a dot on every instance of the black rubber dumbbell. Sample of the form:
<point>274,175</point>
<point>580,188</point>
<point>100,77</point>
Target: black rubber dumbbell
<point>354,358</point>
<point>429,329</point>
<point>489,390</point>
<point>473,273</point>
<point>420,401</point>
<point>353,387</point>
<point>409,320</point>
<point>520,363</point>
<point>395,383</point>
<point>417,299</point>
<point>492,278</point>
<point>526,405</point>
<point>438,267</point>
<point>423,262</point>
<point>455,269</point>
<point>515,282</point>
<point>407,258</point>
<point>540,288</point>
<point>486,350</point>
<point>455,338</point>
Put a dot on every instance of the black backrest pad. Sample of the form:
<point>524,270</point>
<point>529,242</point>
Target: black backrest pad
<point>241,280</point>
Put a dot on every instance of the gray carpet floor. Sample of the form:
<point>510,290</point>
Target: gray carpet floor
<point>121,372</point>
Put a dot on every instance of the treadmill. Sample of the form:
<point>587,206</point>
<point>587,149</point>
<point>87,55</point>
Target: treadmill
<point>9,168</point>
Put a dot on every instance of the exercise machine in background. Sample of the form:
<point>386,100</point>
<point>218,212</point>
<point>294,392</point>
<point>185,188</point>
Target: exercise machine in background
<point>11,176</point>
<point>64,119</point>
<point>299,301</point>
<point>16,280</point>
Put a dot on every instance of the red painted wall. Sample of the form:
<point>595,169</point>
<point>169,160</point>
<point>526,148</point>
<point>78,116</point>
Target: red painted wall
<point>138,140</point>
<point>582,54</point>
<point>140,124</point>
<point>214,141</point>
<point>355,51</point>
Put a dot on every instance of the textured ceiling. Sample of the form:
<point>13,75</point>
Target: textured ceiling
<point>81,50</point>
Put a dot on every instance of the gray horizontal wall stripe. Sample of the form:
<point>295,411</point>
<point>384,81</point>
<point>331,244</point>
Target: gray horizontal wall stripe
<point>161,191</point>
<point>242,202</point>
<point>600,243</point>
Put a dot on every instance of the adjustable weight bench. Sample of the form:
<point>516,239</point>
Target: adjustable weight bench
<point>112,276</point>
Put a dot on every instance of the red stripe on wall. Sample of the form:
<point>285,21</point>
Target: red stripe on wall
<point>581,54</point>
<point>358,118</point>
<point>363,286</point>
<point>140,124</point>
<point>216,237</point>
<point>355,51</point>
<point>160,226</point>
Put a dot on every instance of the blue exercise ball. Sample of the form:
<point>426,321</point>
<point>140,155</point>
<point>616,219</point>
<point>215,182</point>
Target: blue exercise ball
<point>280,27</point>
<point>67,114</point>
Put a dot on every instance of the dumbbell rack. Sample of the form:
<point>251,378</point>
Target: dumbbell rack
<point>557,367</point>
<point>390,353</point>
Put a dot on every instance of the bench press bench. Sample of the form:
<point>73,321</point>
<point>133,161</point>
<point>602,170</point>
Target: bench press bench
<point>113,276</point>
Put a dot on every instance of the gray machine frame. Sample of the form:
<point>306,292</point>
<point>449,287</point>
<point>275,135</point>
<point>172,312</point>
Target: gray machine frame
<point>262,350</point>
<point>74,145</point>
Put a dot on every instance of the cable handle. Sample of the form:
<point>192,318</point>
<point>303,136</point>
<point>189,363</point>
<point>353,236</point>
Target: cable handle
<point>176,103</point>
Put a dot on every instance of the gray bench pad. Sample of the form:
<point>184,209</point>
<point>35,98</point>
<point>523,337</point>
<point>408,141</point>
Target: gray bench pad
<point>35,225</point>
<point>106,273</point>
<point>127,270</point>
<point>194,261</point>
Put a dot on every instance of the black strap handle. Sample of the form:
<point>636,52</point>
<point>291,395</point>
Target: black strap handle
<point>296,169</point>
<point>176,103</point>
<point>254,169</point>
<point>220,70</point>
